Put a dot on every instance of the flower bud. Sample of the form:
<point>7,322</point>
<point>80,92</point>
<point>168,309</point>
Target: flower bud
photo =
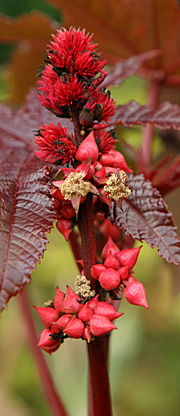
<point>58,300</point>
<point>129,257</point>
<point>63,225</point>
<point>97,269</point>
<point>86,117</point>
<point>100,325</point>
<point>123,272</point>
<point>93,302</point>
<point>109,279</point>
<point>85,313</point>
<point>67,211</point>
<point>47,315</point>
<point>75,328</point>
<point>87,334</point>
<point>105,309</point>
<point>71,304</point>
<point>110,247</point>
<point>46,343</point>
<point>114,159</point>
<point>88,148</point>
<point>111,261</point>
<point>61,323</point>
<point>135,294</point>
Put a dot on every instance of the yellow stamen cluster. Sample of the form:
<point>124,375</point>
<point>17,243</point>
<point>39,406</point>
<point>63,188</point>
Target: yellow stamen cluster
<point>74,185</point>
<point>115,186</point>
<point>83,288</point>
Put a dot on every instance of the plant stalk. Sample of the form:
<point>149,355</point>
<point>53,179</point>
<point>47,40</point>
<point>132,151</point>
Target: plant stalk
<point>55,402</point>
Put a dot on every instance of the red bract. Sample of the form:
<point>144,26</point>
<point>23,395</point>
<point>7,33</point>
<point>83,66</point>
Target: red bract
<point>47,315</point>
<point>47,343</point>
<point>129,257</point>
<point>101,325</point>
<point>87,150</point>
<point>73,51</point>
<point>54,144</point>
<point>109,279</point>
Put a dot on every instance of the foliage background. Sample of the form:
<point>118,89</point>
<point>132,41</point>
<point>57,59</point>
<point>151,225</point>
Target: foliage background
<point>144,360</point>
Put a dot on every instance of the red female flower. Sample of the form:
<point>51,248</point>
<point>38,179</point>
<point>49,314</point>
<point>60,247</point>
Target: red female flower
<point>106,140</point>
<point>54,144</point>
<point>68,91</point>
<point>101,104</point>
<point>73,51</point>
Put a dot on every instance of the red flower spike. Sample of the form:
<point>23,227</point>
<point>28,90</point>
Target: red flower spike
<point>123,272</point>
<point>93,302</point>
<point>68,92</point>
<point>111,262</point>
<point>61,323</point>
<point>115,159</point>
<point>85,313</point>
<point>47,315</point>
<point>75,328</point>
<point>135,294</point>
<point>63,225</point>
<point>109,279</point>
<point>101,325</point>
<point>110,247</point>
<point>105,309</point>
<point>71,304</point>
<point>97,269</point>
<point>87,334</point>
<point>46,343</point>
<point>129,257</point>
<point>88,148</point>
<point>58,300</point>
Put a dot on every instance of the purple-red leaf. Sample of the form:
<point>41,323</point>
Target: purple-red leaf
<point>25,201</point>
<point>164,117</point>
<point>125,69</point>
<point>144,215</point>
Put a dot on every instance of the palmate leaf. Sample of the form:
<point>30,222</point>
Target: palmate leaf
<point>127,68</point>
<point>25,202</point>
<point>164,117</point>
<point>144,215</point>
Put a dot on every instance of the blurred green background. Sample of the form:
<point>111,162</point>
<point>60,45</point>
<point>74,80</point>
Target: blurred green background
<point>144,352</point>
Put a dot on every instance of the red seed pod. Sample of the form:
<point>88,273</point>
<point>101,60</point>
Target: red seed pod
<point>61,323</point>
<point>63,225</point>
<point>105,309</point>
<point>85,313</point>
<point>87,334</point>
<point>96,270</point>
<point>47,343</point>
<point>88,148</point>
<point>58,300</point>
<point>75,328</point>
<point>129,257</point>
<point>123,272</point>
<point>71,304</point>
<point>110,247</point>
<point>100,325</point>
<point>93,302</point>
<point>135,294</point>
<point>109,279</point>
<point>112,262</point>
<point>48,315</point>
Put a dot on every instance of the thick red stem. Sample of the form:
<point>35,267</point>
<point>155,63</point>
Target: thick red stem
<point>99,395</point>
<point>50,393</point>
